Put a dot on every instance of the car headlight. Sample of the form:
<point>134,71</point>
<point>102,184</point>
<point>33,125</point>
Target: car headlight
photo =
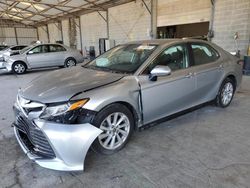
<point>63,112</point>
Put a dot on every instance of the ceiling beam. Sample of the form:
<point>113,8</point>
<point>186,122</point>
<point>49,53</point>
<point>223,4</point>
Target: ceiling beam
<point>105,5</point>
<point>41,3</point>
<point>90,6</point>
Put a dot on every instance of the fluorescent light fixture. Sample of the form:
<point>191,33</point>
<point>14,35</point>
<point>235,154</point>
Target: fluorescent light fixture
<point>14,10</point>
<point>27,14</point>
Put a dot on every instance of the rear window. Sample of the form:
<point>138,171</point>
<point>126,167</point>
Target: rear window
<point>203,54</point>
<point>56,48</point>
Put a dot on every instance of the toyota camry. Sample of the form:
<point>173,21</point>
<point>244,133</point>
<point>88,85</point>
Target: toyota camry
<point>60,115</point>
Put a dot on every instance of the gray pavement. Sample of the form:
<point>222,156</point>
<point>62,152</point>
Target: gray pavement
<point>209,147</point>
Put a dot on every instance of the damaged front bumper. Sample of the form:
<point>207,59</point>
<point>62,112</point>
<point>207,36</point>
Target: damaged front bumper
<point>5,66</point>
<point>53,145</point>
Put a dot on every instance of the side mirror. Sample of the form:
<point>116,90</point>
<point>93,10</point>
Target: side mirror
<point>159,70</point>
<point>30,52</point>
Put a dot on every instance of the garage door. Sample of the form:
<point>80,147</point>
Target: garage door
<point>176,12</point>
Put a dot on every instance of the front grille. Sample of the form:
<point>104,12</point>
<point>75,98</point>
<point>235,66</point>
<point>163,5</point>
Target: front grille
<point>38,142</point>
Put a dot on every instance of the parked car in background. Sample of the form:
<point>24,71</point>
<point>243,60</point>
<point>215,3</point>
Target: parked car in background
<point>2,47</point>
<point>61,114</point>
<point>11,51</point>
<point>42,55</point>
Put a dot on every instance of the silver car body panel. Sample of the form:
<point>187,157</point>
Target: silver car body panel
<point>69,142</point>
<point>149,100</point>
<point>57,88</point>
<point>40,60</point>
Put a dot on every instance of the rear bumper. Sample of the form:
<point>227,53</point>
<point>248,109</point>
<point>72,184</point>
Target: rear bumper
<point>69,143</point>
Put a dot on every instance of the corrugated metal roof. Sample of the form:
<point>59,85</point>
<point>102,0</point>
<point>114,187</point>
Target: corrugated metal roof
<point>37,12</point>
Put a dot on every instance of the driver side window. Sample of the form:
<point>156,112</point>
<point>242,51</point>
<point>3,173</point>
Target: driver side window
<point>40,49</point>
<point>175,57</point>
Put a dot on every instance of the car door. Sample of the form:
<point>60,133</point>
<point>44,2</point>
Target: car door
<point>57,53</point>
<point>169,94</point>
<point>208,71</point>
<point>39,57</point>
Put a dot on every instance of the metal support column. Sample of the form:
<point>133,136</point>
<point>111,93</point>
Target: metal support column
<point>60,25</point>
<point>154,4</point>
<point>16,35</point>
<point>37,34</point>
<point>107,18</point>
<point>80,31</point>
<point>47,31</point>
<point>210,34</point>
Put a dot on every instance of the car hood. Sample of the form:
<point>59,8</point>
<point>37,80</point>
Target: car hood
<point>61,85</point>
<point>17,57</point>
<point>2,52</point>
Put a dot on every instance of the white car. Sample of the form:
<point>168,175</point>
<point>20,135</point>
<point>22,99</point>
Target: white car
<point>11,50</point>
<point>41,56</point>
<point>8,51</point>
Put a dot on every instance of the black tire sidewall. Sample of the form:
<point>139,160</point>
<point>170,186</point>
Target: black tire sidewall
<point>219,96</point>
<point>16,63</point>
<point>96,146</point>
<point>66,61</point>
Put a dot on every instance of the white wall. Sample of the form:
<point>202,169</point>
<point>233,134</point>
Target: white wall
<point>54,32</point>
<point>129,22</point>
<point>24,35</point>
<point>42,34</point>
<point>93,27</point>
<point>65,31</point>
<point>7,36</point>
<point>230,18</point>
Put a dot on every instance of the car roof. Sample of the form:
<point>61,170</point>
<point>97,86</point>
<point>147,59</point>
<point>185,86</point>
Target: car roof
<point>35,44</point>
<point>166,41</point>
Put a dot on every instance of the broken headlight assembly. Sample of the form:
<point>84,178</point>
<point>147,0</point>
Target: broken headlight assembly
<point>67,113</point>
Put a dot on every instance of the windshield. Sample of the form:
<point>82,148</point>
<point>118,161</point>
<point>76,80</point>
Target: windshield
<point>25,49</point>
<point>124,58</point>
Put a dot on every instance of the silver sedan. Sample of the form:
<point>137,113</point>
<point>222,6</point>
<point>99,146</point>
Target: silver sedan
<point>61,114</point>
<point>41,56</point>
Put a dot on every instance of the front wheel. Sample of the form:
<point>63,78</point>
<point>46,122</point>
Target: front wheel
<point>117,123</point>
<point>70,62</point>
<point>19,68</point>
<point>226,93</point>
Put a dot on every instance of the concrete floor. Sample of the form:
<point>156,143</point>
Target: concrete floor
<point>209,147</point>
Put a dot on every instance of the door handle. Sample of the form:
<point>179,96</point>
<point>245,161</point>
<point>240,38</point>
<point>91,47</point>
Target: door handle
<point>189,75</point>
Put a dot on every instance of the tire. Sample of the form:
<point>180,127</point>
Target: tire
<point>19,68</point>
<point>70,62</point>
<point>226,93</point>
<point>113,138</point>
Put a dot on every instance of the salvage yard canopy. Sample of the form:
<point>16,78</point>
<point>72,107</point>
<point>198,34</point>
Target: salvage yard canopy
<point>38,12</point>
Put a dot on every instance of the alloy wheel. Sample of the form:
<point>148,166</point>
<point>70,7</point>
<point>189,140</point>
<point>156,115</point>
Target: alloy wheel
<point>227,93</point>
<point>70,63</point>
<point>19,68</point>
<point>116,128</point>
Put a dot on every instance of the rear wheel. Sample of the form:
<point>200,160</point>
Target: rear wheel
<point>19,68</point>
<point>226,93</point>
<point>70,62</point>
<point>117,123</point>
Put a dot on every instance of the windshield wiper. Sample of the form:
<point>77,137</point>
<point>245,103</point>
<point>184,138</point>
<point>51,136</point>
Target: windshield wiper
<point>106,69</point>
